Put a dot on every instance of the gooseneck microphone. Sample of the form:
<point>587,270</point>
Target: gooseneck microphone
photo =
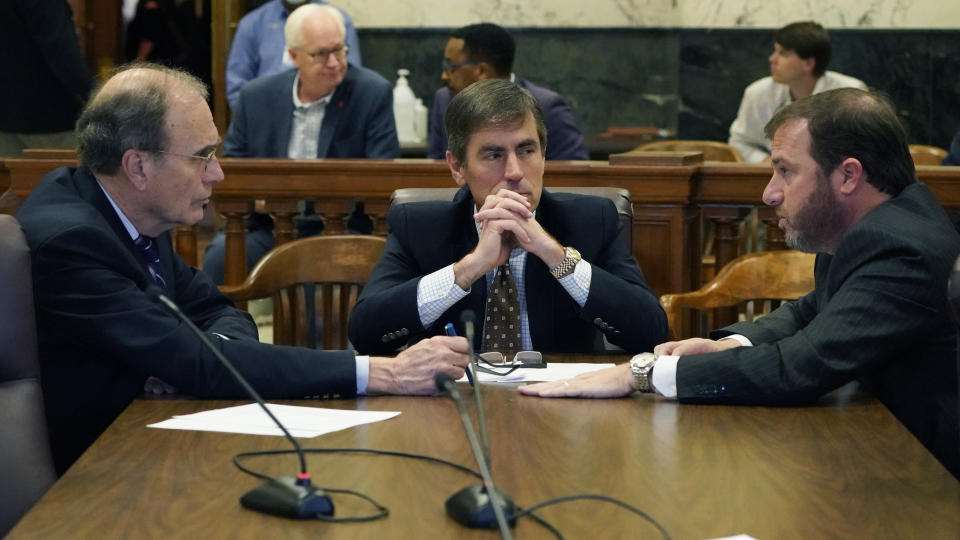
<point>469,320</point>
<point>284,496</point>
<point>480,506</point>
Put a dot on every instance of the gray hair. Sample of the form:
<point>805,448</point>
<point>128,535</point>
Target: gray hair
<point>127,112</point>
<point>293,30</point>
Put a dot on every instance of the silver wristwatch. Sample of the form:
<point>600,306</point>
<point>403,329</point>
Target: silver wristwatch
<point>641,366</point>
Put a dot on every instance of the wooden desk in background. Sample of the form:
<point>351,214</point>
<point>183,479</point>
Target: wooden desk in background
<point>843,467</point>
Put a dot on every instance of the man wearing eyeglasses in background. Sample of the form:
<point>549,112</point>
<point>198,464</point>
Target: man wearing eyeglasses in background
<point>486,51</point>
<point>324,108</point>
<point>259,48</point>
<point>98,235</point>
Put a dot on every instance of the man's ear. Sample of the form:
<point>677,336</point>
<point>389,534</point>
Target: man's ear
<point>484,71</point>
<point>456,169</point>
<point>809,64</point>
<point>134,164</point>
<point>851,174</point>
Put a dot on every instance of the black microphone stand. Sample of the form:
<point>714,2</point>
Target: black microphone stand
<point>284,496</point>
<point>479,506</point>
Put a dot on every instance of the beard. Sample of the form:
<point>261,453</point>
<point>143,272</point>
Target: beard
<point>818,223</point>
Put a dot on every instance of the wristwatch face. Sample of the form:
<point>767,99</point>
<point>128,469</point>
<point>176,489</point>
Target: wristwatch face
<point>641,365</point>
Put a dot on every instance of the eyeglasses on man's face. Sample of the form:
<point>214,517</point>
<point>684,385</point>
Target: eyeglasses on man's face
<point>204,158</point>
<point>450,68</point>
<point>323,55</point>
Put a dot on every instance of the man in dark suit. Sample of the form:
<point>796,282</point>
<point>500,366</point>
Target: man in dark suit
<point>325,108</point>
<point>46,74</point>
<point>573,276</point>
<point>485,51</point>
<point>99,240</point>
<point>845,187</point>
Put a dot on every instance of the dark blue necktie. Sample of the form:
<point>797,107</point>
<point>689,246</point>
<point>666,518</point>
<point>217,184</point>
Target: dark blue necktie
<point>150,256</point>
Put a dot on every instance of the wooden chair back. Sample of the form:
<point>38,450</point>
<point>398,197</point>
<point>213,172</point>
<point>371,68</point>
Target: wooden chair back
<point>924,154</point>
<point>712,150</point>
<point>314,283</point>
<point>755,284</point>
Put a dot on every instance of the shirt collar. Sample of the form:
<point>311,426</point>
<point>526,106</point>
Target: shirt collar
<point>297,104</point>
<point>127,224</point>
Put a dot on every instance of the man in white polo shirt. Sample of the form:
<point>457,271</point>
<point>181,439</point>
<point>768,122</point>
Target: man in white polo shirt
<point>798,68</point>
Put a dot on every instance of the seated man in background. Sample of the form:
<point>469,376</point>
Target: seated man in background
<point>845,187</point>
<point>259,48</point>
<point>325,108</point>
<point>100,244</point>
<point>486,51</point>
<point>798,68</point>
<point>550,265</point>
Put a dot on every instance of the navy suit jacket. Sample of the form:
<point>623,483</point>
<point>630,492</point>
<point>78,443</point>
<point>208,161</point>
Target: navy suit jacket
<point>878,314</point>
<point>426,236</point>
<point>101,336</point>
<point>564,138</point>
<point>357,123</point>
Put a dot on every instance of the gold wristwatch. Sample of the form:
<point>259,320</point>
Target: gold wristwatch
<point>570,259</point>
<point>641,366</point>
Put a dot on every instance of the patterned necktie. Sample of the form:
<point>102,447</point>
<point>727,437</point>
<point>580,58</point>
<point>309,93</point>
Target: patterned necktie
<point>501,327</point>
<point>151,256</point>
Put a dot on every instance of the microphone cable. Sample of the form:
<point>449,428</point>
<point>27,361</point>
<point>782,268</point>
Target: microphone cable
<point>383,511</point>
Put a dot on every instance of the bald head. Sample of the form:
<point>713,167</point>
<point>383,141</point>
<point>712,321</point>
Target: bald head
<point>128,112</point>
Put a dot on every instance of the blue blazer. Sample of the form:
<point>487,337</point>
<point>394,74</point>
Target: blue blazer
<point>358,121</point>
<point>101,336</point>
<point>424,237</point>
<point>564,138</point>
<point>878,314</point>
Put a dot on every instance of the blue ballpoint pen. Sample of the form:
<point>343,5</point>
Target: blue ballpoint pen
<point>452,332</point>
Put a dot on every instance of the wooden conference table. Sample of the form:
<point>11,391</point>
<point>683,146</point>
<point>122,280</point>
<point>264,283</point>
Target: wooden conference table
<point>843,467</point>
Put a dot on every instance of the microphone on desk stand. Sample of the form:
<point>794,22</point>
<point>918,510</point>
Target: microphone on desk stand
<point>285,496</point>
<point>479,505</point>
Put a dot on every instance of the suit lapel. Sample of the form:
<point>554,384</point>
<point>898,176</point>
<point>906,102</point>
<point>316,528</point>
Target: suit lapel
<point>90,191</point>
<point>468,239</point>
<point>332,114</point>
<point>537,279</point>
<point>283,117</point>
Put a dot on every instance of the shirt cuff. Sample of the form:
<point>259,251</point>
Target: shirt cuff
<point>577,283</point>
<point>363,374</point>
<point>738,338</point>
<point>665,376</point>
<point>436,292</point>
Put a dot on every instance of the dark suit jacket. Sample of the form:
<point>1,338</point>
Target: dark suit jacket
<point>100,336</point>
<point>424,237</point>
<point>46,80</point>
<point>878,314</point>
<point>357,123</point>
<point>564,138</point>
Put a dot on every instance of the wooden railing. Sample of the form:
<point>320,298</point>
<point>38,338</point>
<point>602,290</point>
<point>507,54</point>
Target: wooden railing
<point>673,205</point>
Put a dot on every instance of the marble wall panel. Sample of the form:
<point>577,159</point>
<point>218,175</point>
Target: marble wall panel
<point>692,79</point>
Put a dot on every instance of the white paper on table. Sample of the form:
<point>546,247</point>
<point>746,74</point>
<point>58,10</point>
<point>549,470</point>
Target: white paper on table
<point>250,419</point>
<point>554,371</point>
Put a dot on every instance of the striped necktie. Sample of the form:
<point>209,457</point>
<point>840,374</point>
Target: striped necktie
<point>151,256</point>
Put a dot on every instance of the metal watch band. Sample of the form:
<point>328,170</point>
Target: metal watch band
<point>565,268</point>
<point>641,366</point>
